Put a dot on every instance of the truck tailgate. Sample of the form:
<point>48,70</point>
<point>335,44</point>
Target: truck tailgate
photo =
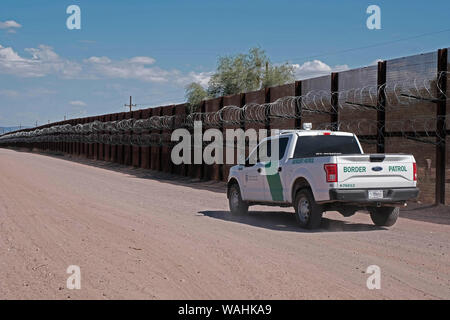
<point>375,171</point>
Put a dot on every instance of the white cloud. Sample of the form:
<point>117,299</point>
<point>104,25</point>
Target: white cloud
<point>101,60</point>
<point>202,78</point>
<point>43,61</point>
<point>10,24</point>
<point>375,62</point>
<point>78,103</point>
<point>340,67</point>
<point>142,60</point>
<point>315,68</point>
<point>138,68</point>
<point>43,53</point>
<point>134,68</point>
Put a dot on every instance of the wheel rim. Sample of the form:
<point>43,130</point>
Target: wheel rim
<point>303,210</point>
<point>234,199</point>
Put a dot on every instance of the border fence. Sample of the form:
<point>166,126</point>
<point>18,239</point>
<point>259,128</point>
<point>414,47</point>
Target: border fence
<point>396,106</point>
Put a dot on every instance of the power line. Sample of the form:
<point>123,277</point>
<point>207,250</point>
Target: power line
<point>370,46</point>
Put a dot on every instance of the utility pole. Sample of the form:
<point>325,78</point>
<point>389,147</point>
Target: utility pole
<point>267,73</point>
<point>36,123</point>
<point>130,105</point>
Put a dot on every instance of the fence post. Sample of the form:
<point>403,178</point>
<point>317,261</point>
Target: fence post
<point>242,126</point>
<point>85,147</point>
<point>145,150</point>
<point>159,164</point>
<point>334,101</point>
<point>114,148</point>
<point>267,100</point>
<point>242,100</point>
<point>220,175</point>
<point>201,167</point>
<point>298,105</point>
<point>91,146</point>
<point>128,149</point>
<point>441,114</point>
<point>96,145</point>
<point>381,106</point>
<point>120,147</point>
<point>101,150</point>
<point>171,165</point>
<point>136,150</point>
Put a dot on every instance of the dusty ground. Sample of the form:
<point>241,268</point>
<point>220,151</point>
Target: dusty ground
<point>138,234</point>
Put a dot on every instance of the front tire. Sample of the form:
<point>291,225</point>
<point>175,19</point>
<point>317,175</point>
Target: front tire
<point>307,212</point>
<point>237,205</point>
<point>384,216</point>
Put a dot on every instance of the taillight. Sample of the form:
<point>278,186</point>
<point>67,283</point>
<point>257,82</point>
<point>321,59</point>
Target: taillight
<point>327,133</point>
<point>331,171</point>
<point>414,171</point>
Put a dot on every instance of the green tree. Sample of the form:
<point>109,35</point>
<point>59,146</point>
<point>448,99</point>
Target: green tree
<point>241,73</point>
<point>195,94</point>
<point>278,75</point>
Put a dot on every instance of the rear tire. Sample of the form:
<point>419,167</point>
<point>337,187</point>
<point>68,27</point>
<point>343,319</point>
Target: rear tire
<point>384,216</point>
<point>307,212</point>
<point>237,205</point>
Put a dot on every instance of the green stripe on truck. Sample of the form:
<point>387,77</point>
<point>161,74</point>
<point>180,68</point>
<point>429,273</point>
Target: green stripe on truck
<point>275,185</point>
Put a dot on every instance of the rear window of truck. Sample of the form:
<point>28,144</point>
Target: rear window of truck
<point>316,146</point>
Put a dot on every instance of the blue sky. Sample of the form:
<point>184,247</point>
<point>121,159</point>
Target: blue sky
<point>152,49</point>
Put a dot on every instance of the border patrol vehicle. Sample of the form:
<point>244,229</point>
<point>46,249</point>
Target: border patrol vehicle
<point>320,171</point>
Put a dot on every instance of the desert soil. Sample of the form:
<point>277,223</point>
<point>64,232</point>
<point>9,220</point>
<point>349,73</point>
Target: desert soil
<point>138,234</point>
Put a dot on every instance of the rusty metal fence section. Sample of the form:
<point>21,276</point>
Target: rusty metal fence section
<point>358,105</point>
<point>411,115</point>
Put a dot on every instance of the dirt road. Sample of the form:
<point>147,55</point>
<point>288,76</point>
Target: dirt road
<point>141,234</point>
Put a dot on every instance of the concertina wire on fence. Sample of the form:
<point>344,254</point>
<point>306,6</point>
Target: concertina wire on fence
<point>135,132</point>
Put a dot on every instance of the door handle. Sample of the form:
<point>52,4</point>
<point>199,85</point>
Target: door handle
<point>259,170</point>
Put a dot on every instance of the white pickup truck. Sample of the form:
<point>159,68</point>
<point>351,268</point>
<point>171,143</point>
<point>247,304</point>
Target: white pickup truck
<point>322,171</point>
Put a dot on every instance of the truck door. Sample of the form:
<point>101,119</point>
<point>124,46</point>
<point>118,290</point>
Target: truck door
<point>255,183</point>
<point>275,177</point>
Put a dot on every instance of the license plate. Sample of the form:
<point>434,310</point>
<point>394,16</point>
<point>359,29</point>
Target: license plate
<point>375,194</point>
